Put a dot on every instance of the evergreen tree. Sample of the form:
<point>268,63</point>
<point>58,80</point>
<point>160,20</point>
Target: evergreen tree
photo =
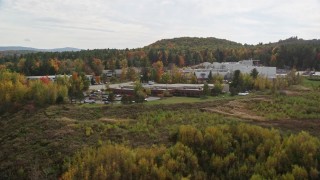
<point>210,77</point>
<point>237,83</point>
<point>206,90</point>
<point>254,73</point>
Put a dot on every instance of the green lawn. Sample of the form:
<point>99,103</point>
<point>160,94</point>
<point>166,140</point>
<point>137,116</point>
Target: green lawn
<point>175,100</point>
<point>311,83</point>
<point>86,105</point>
<point>95,105</point>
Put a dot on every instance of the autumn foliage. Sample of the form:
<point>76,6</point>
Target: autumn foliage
<point>158,69</point>
<point>218,152</point>
<point>16,91</point>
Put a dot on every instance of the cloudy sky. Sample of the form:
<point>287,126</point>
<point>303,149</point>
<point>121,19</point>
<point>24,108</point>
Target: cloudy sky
<point>122,24</point>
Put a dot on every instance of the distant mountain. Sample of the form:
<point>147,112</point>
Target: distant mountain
<point>17,48</point>
<point>63,49</point>
<point>194,43</point>
<point>21,48</point>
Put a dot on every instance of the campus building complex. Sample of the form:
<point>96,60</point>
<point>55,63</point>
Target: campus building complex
<point>226,69</point>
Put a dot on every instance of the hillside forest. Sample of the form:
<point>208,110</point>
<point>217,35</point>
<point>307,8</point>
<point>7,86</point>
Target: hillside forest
<point>284,54</point>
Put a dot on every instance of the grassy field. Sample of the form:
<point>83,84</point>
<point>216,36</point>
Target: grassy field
<point>176,100</point>
<point>311,83</point>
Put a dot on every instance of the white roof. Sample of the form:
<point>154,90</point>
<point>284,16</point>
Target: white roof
<point>317,73</point>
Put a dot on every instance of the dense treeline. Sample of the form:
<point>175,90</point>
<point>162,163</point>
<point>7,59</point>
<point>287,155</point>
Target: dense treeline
<point>217,152</point>
<point>194,43</point>
<point>290,53</point>
<point>87,61</point>
<point>16,90</point>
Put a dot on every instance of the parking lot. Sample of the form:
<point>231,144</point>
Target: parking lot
<point>100,98</point>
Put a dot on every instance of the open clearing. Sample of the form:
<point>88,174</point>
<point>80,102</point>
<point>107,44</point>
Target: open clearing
<point>240,108</point>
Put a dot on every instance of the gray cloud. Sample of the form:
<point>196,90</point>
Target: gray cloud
<point>124,23</point>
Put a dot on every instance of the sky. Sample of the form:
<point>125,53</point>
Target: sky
<point>99,24</point>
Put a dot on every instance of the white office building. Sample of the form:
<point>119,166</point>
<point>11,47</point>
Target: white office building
<point>227,68</point>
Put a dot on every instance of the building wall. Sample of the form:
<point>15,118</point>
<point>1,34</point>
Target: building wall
<point>53,77</point>
<point>245,66</point>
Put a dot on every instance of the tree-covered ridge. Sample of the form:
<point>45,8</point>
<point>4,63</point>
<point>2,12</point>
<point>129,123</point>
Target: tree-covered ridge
<point>194,43</point>
<point>296,40</point>
<point>290,53</point>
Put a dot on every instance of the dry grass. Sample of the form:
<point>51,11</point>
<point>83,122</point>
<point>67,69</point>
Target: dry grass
<point>238,109</point>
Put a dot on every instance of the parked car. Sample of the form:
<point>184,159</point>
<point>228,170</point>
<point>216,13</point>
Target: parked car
<point>243,93</point>
<point>90,101</point>
<point>104,99</point>
<point>106,102</point>
<point>93,95</point>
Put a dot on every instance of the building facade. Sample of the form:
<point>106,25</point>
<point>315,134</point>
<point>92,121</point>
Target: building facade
<point>226,69</point>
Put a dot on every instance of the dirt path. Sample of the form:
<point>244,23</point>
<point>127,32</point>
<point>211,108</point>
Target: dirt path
<point>111,120</point>
<point>239,109</point>
<point>310,125</point>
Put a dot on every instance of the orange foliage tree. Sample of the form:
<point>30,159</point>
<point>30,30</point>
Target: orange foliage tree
<point>158,67</point>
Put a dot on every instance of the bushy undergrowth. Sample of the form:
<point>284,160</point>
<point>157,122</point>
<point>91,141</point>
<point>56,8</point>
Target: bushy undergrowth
<point>304,106</point>
<point>158,142</point>
<point>222,151</point>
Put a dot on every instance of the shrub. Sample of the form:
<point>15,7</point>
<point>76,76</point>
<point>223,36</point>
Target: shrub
<point>166,93</point>
<point>217,89</point>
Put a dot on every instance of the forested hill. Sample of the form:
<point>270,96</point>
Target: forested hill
<point>296,41</point>
<point>194,43</point>
<point>290,53</point>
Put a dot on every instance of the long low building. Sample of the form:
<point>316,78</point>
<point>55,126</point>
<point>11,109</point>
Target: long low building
<point>192,90</point>
<point>157,92</point>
